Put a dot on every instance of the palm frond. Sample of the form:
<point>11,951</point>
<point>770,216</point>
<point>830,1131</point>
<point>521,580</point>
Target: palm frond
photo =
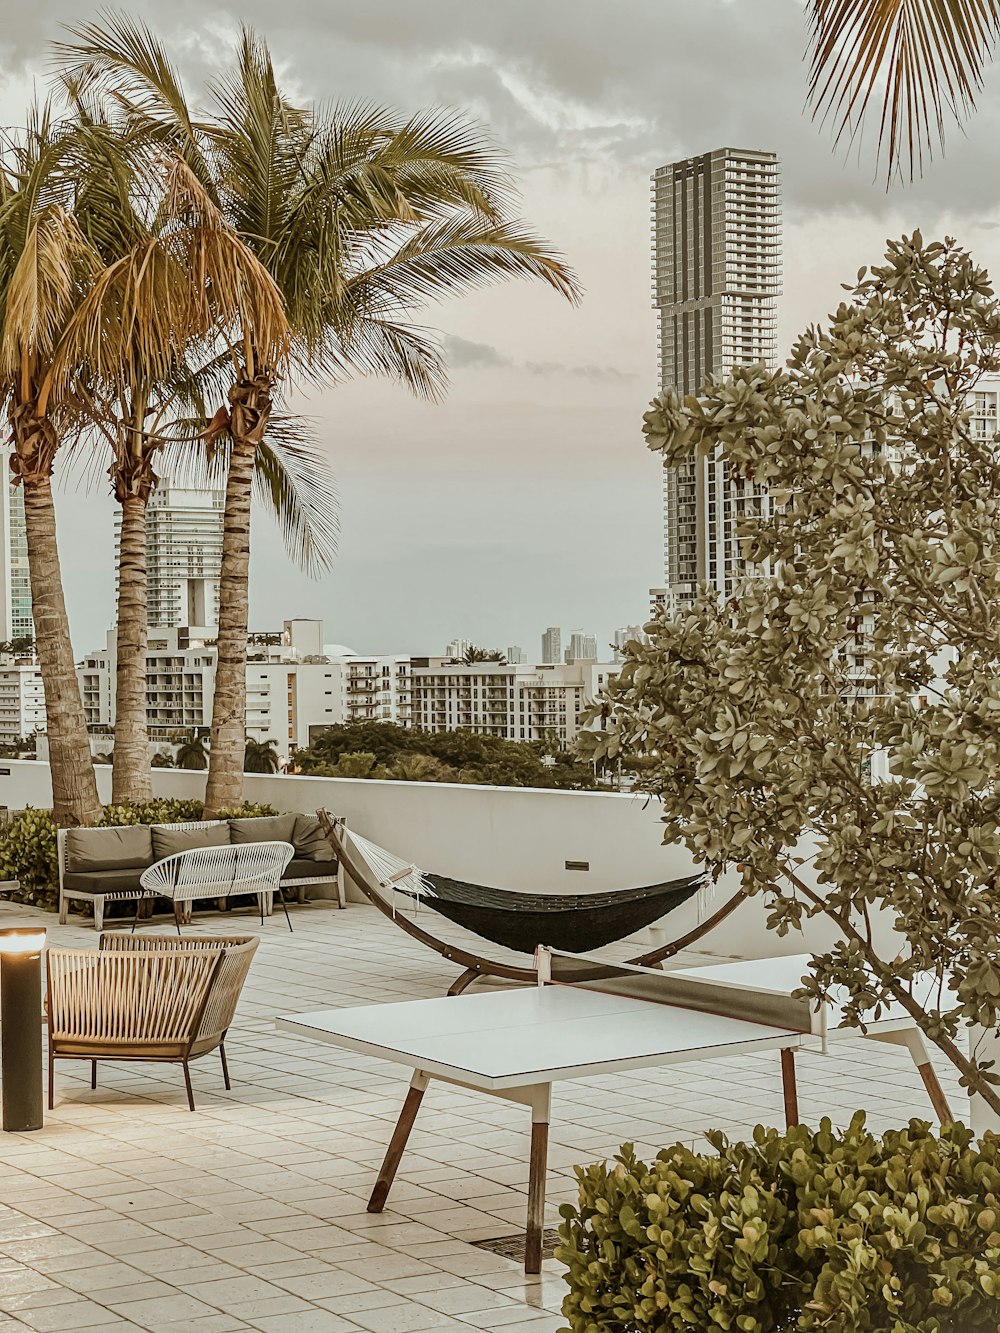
<point>446,258</point>
<point>926,56</point>
<point>382,347</point>
<point>121,59</point>
<point>293,479</point>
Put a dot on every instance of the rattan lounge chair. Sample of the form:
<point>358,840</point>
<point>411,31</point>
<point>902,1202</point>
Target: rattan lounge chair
<point>145,997</point>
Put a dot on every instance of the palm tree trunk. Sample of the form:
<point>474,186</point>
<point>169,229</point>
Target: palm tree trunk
<point>74,785</point>
<point>250,410</point>
<point>131,779</point>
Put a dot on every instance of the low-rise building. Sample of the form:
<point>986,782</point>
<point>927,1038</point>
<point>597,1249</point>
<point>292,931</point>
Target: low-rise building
<point>22,699</point>
<point>516,702</point>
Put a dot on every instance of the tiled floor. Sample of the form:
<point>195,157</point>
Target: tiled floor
<point>128,1212</point>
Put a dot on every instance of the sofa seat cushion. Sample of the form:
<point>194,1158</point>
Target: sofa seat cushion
<point>168,840</point>
<point>302,868</point>
<point>309,840</point>
<point>266,828</point>
<point>119,848</point>
<point>105,881</point>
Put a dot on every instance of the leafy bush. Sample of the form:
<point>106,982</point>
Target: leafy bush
<point>160,810</point>
<point>28,854</point>
<point>249,810</point>
<point>841,1231</point>
<point>28,841</point>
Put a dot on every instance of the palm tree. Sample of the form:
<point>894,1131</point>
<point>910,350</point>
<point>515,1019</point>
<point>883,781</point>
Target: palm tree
<point>192,754</point>
<point>261,756</point>
<point>473,654</point>
<point>360,217</point>
<point>918,59</point>
<point>46,268</point>
<point>177,276</point>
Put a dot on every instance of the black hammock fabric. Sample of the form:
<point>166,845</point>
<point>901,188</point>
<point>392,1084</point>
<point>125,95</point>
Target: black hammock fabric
<point>574,922</point>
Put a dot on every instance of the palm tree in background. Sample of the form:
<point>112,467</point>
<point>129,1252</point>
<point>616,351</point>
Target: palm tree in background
<point>261,756</point>
<point>919,61</point>
<point>474,654</point>
<point>360,217</point>
<point>192,754</point>
<point>47,266</point>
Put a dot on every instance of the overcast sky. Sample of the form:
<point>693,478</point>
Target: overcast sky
<point>528,498</point>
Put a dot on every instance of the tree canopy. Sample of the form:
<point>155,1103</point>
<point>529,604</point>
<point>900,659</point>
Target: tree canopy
<point>386,750</point>
<point>833,732</point>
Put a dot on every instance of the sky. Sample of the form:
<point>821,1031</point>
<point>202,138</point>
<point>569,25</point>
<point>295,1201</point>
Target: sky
<point>527,498</point>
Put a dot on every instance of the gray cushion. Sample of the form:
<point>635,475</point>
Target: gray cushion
<point>167,840</point>
<point>118,848</point>
<point>268,828</point>
<point>309,841</point>
<point>301,868</point>
<point>110,881</point>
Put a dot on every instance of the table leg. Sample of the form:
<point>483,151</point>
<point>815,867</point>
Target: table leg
<point>789,1087</point>
<point>921,1057</point>
<point>397,1144</point>
<point>538,1165</point>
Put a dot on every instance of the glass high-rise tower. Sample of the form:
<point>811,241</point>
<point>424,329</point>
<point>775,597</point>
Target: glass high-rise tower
<point>15,581</point>
<point>716,279</point>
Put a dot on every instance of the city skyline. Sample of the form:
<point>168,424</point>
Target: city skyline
<point>538,391</point>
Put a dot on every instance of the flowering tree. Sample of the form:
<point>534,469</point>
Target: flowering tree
<point>846,701</point>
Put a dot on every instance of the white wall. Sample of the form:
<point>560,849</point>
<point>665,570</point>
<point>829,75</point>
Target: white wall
<point>509,837</point>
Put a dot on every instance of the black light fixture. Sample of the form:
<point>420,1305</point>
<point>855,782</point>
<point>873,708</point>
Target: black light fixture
<point>21,1028</point>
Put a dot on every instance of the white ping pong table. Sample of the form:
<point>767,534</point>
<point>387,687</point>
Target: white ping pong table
<point>588,1017</point>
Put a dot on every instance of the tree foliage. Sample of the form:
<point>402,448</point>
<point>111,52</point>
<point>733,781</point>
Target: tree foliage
<point>833,733</point>
<point>385,750</point>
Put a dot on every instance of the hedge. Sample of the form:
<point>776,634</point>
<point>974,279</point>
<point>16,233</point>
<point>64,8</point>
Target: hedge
<point>840,1231</point>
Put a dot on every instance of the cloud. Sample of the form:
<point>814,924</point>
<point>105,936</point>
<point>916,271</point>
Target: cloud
<point>464,354</point>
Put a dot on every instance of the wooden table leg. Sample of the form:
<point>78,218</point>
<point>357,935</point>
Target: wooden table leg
<point>789,1087</point>
<point>397,1144</point>
<point>538,1166</point>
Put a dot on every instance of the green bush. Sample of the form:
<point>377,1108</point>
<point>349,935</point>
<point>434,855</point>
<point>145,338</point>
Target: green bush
<point>28,854</point>
<point>249,810</point>
<point>28,841</point>
<point>840,1231</point>
<point>160,810</point>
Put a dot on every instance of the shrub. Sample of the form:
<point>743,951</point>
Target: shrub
<point>28,854</point>
<point>841,1231</point>
<point>160,810</point>
<point>249,810</point>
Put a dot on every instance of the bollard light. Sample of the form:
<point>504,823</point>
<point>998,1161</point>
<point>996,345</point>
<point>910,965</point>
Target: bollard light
<point>21,1028</point>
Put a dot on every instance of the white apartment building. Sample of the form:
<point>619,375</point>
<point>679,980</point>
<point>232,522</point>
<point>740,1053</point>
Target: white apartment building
<point>22,699</point>
<point>15,581</point>
<point>458,647</point>
<point>627,634</point>
<point>516,703</point>
<point>183,557</point>
<point>716,222</point>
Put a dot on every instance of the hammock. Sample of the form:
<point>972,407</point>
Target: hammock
<point>575,923</point>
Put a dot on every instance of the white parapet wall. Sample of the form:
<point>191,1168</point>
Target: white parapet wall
<point>508,837</point>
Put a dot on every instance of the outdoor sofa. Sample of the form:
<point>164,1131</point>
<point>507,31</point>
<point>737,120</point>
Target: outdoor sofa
<point>98,865</point>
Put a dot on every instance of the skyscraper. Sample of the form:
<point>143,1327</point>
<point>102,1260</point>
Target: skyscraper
<point>516,655</point>
<point>15,583</point>
<point>717,274</point>
<point>183,556</point>
<point>582,647</point>
<point>552,645</point>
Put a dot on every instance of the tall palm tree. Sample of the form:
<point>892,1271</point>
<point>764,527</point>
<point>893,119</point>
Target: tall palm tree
<point>177,279</point>
<point>918,60</point>
<point>261,756</point>
<point>473,654</point>
<point>360,217</point>
<point>47,267</point>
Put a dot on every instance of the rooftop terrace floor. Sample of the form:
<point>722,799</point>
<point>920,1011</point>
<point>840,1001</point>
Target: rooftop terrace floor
<point>129,1212</point>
